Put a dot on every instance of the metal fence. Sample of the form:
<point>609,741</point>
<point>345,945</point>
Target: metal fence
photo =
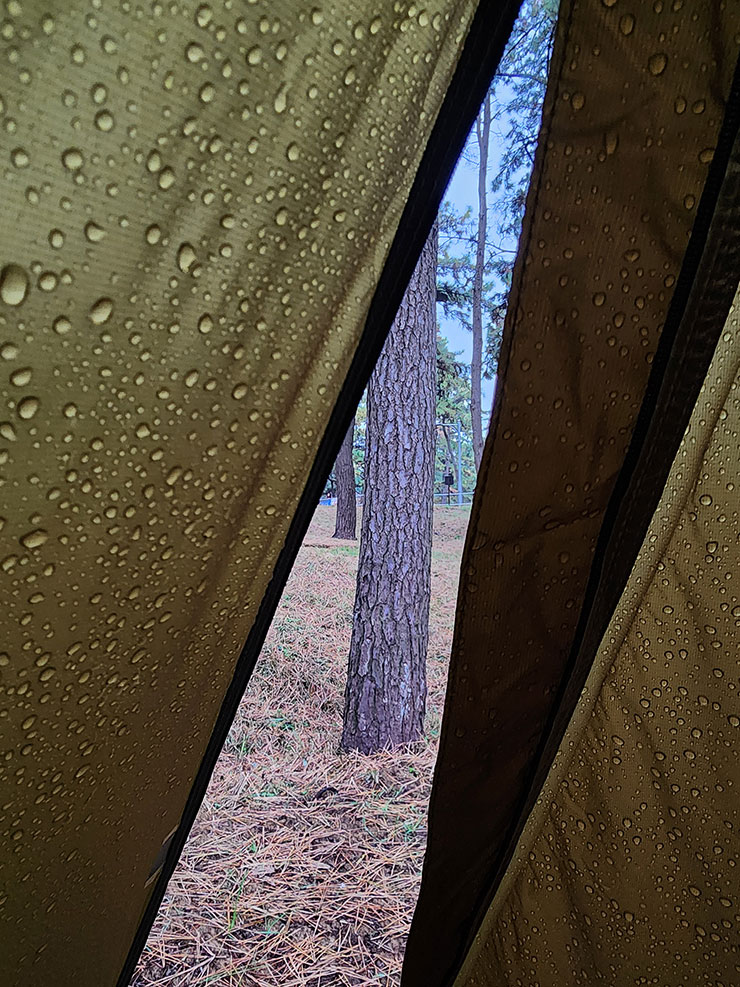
<point>452,500</point>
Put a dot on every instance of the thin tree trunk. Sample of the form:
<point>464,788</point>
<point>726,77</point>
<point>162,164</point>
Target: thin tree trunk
<point>344,471</point>
<point>386,681</point>
<point>483,130</point>
<point>450,451</point>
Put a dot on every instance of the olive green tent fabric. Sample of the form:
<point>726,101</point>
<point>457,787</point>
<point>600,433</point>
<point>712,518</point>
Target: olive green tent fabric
<point>626,870</point>
<point>633,114</point>
<point>198,202</point>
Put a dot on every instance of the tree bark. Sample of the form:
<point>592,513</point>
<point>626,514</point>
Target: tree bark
<point>386,682</point>
<point>344,471</point>
<point>483,130</point>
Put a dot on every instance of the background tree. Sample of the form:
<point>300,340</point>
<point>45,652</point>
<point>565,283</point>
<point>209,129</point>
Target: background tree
<point>386,682</point>
<point>453,405</point>
<point>344,473</point>
<point>476,257</point>
<point>483,134</point>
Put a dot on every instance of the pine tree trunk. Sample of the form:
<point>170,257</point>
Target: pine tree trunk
<point>344,471</point>
<point>386,681</point>
<point>483,130</point>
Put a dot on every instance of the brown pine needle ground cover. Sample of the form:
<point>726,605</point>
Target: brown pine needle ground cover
<point>303,866</point>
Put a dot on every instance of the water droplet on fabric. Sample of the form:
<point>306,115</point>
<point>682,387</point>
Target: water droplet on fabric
<point>93,232</point>
<point>72,159</point>
<point>35,538</point>
<point>13,284</point>
<point>101,311</point>
<point>657,63</point>
<point>185,257</point>
<point>28,407</point>
<point>21,377</point>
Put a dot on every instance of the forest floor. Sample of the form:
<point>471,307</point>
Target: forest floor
<point>303,866</point>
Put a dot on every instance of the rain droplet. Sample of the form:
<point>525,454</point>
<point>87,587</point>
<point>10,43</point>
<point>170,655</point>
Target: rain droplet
<point>203,15</point>
<point>153,234</point>
<point>281,100</point>
<point>61,325</point>
<point>28,407</point>
<point>19,157</point>
<point>578,101</point>
<point>185,257</point>
<point>13,284</point>
<point>657,63</point>
<point>35,538</point>
<point>56,239</point>
<point>21,377</point>
<point>48,281</point>
<point>72,159</point>
<point>93,232</point>
<point>153,161</point>
<point>101,311</point>
<point>104,121</point>
<point>166,178</point>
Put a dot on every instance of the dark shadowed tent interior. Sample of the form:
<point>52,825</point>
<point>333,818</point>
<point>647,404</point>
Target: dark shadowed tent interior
<point>210,214</point>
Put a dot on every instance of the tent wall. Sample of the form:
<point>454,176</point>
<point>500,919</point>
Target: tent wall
<point>626,867</point>
<point>624,175</point>
<point>199,263</point>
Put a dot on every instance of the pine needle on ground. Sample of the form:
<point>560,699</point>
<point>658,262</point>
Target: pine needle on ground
<point>303,866</point>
